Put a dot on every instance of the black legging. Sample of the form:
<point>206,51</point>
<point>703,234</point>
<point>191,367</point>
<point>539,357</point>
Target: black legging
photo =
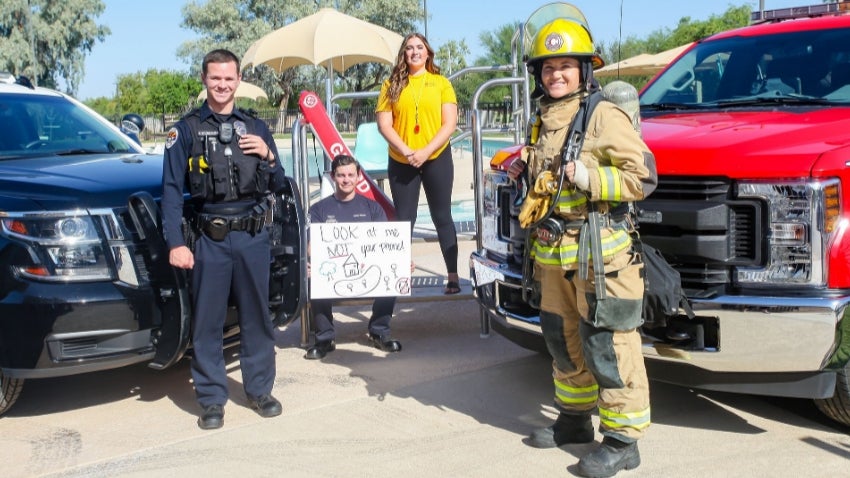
<point>437,178</point>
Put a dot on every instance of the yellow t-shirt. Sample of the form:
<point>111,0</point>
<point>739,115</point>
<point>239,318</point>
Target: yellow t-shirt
<point>420,102</point>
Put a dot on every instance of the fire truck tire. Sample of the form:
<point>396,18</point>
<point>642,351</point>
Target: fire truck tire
<point>10,389</point>
<point>838,406</point>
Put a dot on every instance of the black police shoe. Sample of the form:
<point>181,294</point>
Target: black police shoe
<point>385,343</point>
<point>320,349</point>
<point>612,456</point>
<point>266,405</point>
<point>211,417</point>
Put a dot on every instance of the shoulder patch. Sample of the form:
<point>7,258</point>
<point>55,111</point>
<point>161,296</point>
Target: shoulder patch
<point>171,138</point>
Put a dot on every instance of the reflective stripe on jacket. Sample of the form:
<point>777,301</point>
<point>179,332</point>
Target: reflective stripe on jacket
<point>615,157</point>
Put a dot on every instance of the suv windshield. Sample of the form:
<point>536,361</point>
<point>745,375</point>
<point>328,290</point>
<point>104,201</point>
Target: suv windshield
<point>799,67</point>
<point>39,125</point>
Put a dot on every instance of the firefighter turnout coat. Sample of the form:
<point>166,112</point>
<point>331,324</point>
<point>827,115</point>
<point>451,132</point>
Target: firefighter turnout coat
<point>590,319</point>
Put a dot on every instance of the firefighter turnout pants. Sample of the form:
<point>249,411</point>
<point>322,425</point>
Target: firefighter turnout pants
<point>595,345</point>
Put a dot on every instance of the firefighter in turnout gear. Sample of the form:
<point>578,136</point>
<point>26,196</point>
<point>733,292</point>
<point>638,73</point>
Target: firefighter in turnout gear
<point>225,158</point>
<point>585,163</point>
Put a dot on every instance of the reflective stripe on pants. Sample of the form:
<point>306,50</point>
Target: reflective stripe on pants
<point>587,359</point>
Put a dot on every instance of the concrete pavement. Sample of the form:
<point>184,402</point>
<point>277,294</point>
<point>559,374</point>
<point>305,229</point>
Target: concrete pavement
<point>451,403</point>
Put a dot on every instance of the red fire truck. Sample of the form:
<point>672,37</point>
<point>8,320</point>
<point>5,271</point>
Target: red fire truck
<point>751,133</point>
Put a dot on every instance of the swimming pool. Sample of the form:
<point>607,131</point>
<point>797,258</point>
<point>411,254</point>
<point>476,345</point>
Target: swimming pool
<point>489,147</point>
<point>463,211</point>
<point>315,160</point>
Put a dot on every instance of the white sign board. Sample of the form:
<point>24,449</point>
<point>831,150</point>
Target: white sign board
<point>359,259</point>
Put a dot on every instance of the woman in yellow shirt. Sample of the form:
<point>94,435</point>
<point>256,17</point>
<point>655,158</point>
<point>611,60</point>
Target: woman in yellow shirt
<point>417,114</point>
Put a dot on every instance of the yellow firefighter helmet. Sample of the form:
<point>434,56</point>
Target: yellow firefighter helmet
<point>563,37</point>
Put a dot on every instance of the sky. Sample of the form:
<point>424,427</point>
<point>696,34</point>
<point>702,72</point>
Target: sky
<point>146,34</point>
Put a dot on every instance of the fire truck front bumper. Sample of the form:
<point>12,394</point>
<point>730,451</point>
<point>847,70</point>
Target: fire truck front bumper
<point>749,344</point>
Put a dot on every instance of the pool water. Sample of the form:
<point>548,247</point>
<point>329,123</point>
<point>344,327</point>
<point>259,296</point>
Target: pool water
<point>489,147</point>
<point>462,211</point>
<point>315,161</point>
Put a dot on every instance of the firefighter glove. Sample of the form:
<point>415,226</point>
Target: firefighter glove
<point>538,200</point>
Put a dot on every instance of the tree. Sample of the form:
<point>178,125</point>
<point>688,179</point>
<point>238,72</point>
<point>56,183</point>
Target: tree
<point>156,92</point>
<point>497,47</point>
<point>47,40</point>
<point>168,90</point>
<point>235,25</point>
<point>107,107</point>
<point>686,31</point>
<point>451,56</point>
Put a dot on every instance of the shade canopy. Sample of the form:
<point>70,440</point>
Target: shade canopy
<point>326,37</point>
<point>244,90</point>
<point>645,64</point>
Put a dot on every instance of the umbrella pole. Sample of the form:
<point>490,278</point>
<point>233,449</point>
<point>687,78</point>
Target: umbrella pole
<point>329,89</point>
<point>328,104</point>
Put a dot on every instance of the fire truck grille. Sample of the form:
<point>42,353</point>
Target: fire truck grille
<point>703,230</point>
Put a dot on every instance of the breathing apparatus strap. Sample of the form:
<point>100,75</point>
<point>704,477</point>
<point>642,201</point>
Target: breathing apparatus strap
<point>590,241</point>
<point>590,235</point>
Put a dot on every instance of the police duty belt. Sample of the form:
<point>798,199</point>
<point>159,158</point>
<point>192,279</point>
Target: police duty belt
<point>217,225</point>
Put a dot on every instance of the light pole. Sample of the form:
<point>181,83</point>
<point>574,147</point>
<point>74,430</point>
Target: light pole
<point>34,66</point>
<point>425,8</point>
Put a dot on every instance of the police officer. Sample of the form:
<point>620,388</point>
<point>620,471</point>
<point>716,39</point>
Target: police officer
<point>585,164</point>
<point>227,159</point>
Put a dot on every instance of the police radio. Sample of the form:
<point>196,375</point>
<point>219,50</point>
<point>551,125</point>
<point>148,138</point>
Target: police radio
<point>225,133</point>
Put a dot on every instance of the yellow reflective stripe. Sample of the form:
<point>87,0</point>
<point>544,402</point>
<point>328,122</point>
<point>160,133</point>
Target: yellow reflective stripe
<point>569,394</point>
<point>609,183</point>
<point>638,420</point>
<point>612,245</point>
<point>571,199</point>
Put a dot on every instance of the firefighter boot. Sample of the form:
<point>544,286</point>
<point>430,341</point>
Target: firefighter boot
<point>566,429</point>
<point>612,456</point>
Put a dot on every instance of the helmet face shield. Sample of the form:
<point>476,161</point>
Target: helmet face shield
<point>558,29</point>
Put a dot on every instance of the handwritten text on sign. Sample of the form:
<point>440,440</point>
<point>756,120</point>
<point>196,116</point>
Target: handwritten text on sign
<point>359,259</point>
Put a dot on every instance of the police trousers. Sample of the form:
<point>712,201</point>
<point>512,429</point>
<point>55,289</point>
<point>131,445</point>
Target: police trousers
<point>239,266</point>
<point>595,345</point>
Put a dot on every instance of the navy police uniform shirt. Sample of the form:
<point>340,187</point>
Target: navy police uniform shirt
<point>178,149</point>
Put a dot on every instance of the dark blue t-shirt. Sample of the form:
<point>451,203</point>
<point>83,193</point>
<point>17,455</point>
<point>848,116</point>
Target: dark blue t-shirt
<point>358,209</point>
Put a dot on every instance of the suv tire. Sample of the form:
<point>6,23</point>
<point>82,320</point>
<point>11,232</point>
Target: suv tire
<point>10,389</point>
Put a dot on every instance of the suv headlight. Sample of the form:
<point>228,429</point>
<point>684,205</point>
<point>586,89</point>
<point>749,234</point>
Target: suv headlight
<point>65,246</point>
<point>802,219</point>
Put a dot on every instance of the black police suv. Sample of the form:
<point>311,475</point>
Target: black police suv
<point>85,283</point>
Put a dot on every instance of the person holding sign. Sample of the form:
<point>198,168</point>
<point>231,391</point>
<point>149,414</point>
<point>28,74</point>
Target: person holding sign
<point>345,205</point>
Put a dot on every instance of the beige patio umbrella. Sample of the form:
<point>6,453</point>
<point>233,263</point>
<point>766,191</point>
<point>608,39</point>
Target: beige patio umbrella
<point>327,37</point>
<point>244,90</point>
<point>645,64</point>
